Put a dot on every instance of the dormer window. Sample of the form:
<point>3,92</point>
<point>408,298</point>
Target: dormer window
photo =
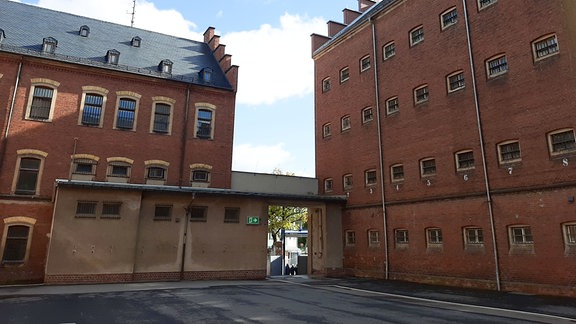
<point>49,45</point>
<point>84,31</point>
<point>2,35</point>
<point>136,41</point>
<point>165,66</point>
<point>112,57</point>
<point>206,75</point>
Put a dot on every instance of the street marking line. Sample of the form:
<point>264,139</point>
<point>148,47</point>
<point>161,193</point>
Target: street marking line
<point>457,304</point>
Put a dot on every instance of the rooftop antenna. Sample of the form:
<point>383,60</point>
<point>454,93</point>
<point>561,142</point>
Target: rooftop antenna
<point>133,13</point>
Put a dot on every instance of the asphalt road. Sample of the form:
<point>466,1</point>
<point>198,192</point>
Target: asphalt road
<point>290,300</point>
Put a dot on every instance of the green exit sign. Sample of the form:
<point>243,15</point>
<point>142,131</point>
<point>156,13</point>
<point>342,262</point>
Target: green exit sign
<point>253,220</point>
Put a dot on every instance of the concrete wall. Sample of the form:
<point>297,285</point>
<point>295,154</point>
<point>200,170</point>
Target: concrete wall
<point>135,246</point>
<point>272,183</point>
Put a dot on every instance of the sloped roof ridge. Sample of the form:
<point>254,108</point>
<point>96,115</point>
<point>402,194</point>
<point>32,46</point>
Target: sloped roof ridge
<point>100,21</point>
<point>365,16</point>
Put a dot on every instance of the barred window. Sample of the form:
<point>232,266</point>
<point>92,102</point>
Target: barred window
<point>126,113</point>
<point>162,118</point>
<point>163,212</point>
<point>389,50</point>
<point>421,94</point>
<point>464,160</point>
<point>509,152</point>
<point>455,81</point>
<point>427,167</point>
<point>92,110</point>
<point>111,209</point>
<point>416,35</point>
<point>562,142</point>
<point>41,103</point>
<point>198,214</point>
<point>449,18</point>
<point>373,238</point>
<point>392,105</point>
<point>344,74</point>
<point>86,209</point>
<point>545,47</point>
<point>370,177</point>
<point>231,215</point>
<point>497,66</point>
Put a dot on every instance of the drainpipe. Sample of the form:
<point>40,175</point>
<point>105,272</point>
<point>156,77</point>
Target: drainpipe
<point>184,137</point>
<point>482,148</point>
<point>3,153</point>
<point>380,151</point>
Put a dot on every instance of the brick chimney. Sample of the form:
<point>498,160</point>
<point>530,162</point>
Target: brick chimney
<point>364,5</point>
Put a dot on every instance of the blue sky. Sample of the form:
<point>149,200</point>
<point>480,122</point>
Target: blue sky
<point>270,41</point>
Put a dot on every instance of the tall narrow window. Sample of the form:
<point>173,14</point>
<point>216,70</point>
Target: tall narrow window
<point>367,115</point>
<point>16,244</point>
<point>92,110</point>
<point>204,124</point>
<point>416,36</point>
<point>397,172</point>
<point>162,118</point>
<point>326,85</point>
<point>350,238</point>
<point>326,130</point>
<point>126,114</point>
<point>365,63</point>
<point>41,103</point>
<point>389,50</point>
<point>373,238</point>
<point>347,181</point>
<point>328,185</point>
<point>421,94</point>
<point>392,105</point>
<point>344,74</point>
<point>345,123</point>
<point>28,172</point>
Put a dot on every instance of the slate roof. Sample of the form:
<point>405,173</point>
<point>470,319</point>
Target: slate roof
<point>25,27</point>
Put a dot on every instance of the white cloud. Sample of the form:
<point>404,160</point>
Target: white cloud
<point>147,15</point>
<point>275,63</point>
<point>260,158</point>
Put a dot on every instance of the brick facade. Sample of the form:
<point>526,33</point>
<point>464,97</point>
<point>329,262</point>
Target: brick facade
<point>532,98</point>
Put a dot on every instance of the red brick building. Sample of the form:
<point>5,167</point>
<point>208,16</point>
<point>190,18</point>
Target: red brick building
<point>116,156</point>
<point>449,125</point>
